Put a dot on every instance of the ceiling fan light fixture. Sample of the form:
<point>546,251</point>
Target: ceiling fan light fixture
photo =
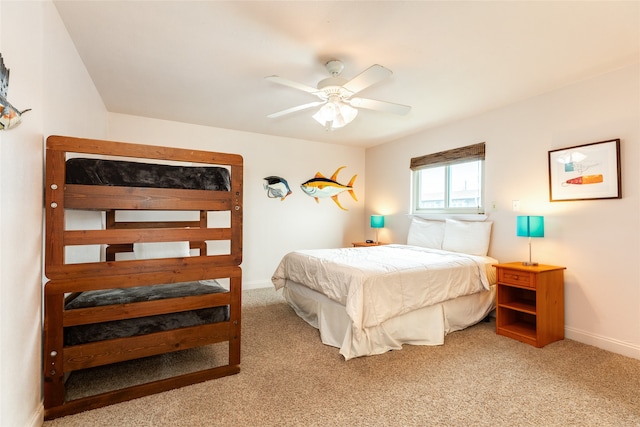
<point>339,107</point>
<point>335,114</point>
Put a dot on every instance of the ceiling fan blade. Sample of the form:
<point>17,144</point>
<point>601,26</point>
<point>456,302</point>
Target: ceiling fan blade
<point>294,109</point>
<point>290,83</point>
<point>368,77</point>
<point>386,107</point>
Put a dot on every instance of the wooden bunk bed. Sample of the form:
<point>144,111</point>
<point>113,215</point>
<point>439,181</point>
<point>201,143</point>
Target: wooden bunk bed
<point>199,282</point>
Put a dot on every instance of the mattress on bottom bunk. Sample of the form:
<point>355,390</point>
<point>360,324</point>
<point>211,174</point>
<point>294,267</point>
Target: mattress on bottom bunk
<point>83,334</point>
<point>135,174</point>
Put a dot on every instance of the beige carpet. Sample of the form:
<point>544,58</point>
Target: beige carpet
<point>289,378</point>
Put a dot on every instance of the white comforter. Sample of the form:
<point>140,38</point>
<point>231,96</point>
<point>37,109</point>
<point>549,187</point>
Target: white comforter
<point>381,282</point>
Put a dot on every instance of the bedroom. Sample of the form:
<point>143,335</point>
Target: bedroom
<point>598,241</point>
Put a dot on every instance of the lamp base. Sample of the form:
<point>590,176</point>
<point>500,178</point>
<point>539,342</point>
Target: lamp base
<point>529,263</point>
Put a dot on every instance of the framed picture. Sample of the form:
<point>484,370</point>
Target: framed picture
<point>585,172</point>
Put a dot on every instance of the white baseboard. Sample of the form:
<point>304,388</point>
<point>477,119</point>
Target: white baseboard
<point>605,343</point>
<point>257,285</point>
<point>37,419</point>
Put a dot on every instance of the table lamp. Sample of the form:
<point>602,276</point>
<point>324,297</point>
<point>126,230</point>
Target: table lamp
<point>529,226</point>
<point>377,222</point>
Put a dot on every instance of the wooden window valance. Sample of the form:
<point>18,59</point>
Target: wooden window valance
<point>443,158</point>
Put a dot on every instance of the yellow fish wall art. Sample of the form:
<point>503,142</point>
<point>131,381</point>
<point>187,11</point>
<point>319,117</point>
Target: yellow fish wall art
<point>320,187</point>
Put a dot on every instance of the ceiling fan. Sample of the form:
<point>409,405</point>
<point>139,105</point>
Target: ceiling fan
<point>339,107</point>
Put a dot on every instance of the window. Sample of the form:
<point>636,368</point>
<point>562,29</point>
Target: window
<point>449,181</point>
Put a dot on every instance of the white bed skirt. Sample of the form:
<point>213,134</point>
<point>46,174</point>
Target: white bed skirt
<point>425,326</point>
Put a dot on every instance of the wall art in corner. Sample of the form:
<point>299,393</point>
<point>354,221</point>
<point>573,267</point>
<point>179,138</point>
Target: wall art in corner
<point>10,116</point>
<point>319,187</point>
<point>277,187</point>
<point>585,172</point>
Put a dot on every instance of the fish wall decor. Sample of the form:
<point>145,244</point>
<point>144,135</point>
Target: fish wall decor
<point>320,186</point>
<point>10,116</point>
<point>277,187</point>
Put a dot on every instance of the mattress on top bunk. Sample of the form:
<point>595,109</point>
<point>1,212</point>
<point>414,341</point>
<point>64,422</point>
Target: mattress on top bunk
<point>134,174</point>
<point>83,334</point>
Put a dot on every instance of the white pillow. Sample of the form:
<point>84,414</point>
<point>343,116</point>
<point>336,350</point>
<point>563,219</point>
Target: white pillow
<point>469,237</point>
<point>161,250</point>
<point>425,233</point>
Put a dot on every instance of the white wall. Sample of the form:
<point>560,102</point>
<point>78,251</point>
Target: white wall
<point>21,219</point>
<point>271,227</point>
<point>72,103</point>
<point>47,76</point>
<point>597,240</point>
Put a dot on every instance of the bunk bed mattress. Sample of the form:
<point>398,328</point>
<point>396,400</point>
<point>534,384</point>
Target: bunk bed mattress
<point>87,171</point>
<point>83,334</point>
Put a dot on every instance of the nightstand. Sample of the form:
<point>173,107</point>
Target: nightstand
<point>530,303</point>
<point>365,244</point>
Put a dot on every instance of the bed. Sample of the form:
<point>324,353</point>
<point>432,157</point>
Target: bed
<point>161,273</point>
<point>369,300</point>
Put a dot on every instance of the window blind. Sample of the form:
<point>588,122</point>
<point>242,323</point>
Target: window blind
<point>449,157</point>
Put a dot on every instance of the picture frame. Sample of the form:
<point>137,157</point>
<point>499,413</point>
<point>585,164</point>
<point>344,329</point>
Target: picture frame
<point>585,172</point>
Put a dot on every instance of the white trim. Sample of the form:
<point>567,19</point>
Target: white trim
<point>37,419</point>
<point>258,284</point>
<point>615,346</point>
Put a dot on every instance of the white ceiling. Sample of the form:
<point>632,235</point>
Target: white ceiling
<point>204,62</point>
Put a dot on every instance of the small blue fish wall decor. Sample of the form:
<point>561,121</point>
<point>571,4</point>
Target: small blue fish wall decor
<point>277,187</point>
<point>320,186</point>
<point>10,116</point>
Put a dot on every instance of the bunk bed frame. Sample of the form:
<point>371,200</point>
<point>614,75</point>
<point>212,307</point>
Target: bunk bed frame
<point>68,279</point>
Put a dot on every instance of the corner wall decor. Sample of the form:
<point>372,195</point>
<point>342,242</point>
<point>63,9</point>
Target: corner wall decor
<point>277,187</point>
<point>585,172</point>
<point>10,116</point>
<point>320,186</point>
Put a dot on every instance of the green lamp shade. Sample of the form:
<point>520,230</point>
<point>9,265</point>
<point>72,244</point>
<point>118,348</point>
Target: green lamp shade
<point>377,221</point>
<point>529,226</point>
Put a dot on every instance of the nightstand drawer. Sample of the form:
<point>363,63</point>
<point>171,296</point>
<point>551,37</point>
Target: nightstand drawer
<point>515,277</point>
